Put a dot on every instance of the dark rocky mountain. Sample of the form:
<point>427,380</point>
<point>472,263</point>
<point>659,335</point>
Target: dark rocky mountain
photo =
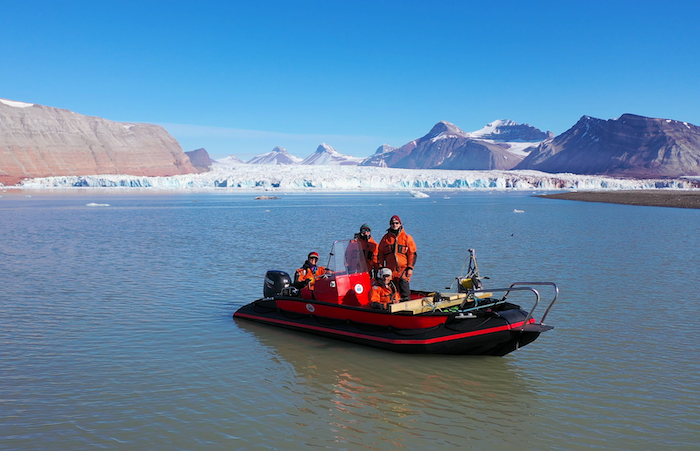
<point>377,159</point>
<point>633,146</point>
<point>200,159</point>
<point>446,146</point>
<point>41,141</point>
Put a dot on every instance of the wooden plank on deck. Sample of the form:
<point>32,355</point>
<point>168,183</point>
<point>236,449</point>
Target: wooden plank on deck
<point>426,304</point>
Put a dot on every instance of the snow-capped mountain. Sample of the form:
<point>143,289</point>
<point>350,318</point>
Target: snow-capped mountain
<point>327,155</point>
<point>630,145</point>
<point>279,155</point>
<point>232,159</point>
<point>447,146</point>
<point>505,130</point>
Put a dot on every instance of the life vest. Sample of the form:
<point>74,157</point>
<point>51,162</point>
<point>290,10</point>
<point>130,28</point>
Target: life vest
<point>397,252</point>
<point>369,250</point>
<point>307,273</point>
<point>384,294</point>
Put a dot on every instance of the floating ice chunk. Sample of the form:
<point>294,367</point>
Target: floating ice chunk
<point>93,204</point>
<point>418,194</point>
<point>518,211</point>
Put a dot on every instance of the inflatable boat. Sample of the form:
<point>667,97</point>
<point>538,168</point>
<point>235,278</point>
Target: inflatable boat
<point>468,320</point>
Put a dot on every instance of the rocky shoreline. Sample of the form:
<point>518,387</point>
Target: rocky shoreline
<point>650,198</point>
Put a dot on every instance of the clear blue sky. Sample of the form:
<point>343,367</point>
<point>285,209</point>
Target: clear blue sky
<point>239,78</point>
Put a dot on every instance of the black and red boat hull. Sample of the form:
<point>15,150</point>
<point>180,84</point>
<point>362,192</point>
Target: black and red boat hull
<point>496,332</point>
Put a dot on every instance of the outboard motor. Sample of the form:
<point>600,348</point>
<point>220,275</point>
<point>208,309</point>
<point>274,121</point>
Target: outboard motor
<point>275,282</point>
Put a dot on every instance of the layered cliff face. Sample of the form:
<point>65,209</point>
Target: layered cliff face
<point>41,141</point>
<point>631,145</point>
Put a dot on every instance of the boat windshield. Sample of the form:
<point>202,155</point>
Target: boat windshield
<point>347,258</point>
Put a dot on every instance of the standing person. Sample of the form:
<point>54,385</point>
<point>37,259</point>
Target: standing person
<point>309,272</point>
<point>369,248</point>
<point>397,251</point>
<point>383,290</point>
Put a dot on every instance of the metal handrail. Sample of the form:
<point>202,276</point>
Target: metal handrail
<point>508,290</point>
<point>551,303</point>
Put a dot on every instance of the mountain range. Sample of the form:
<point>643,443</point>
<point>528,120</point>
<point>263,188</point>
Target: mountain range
<point>499,145</point>
<point>41,141</point>
<point>631,146</point>
<point>628,146</point>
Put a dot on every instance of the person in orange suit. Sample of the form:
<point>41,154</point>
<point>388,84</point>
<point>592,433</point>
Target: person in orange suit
<point>309,272</point>
<point>397,251</point>
<point>383,290</point>
<point>369,248</point>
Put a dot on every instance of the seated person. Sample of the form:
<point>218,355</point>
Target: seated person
<point>383,290</point>
<point>309,272</point>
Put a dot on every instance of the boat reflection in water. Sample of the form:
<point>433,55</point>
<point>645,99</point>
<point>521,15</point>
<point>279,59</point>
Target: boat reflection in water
<point>378,399</point>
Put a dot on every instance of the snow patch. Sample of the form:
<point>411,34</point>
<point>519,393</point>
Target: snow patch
<point>491,128</point>
<point>16,104</point>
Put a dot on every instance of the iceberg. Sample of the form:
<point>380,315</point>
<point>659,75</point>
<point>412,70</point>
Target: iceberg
<point>243,177</point>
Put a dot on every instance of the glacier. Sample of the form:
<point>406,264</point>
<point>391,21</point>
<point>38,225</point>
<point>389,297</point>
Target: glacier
<point>245,177</point>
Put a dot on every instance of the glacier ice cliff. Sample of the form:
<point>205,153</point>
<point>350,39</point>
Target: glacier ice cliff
<point>354,178</point>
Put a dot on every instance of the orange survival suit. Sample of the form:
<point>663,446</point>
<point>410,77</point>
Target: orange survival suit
<point>384,294</point>
<point>397,252</point>
<point>308,272</point>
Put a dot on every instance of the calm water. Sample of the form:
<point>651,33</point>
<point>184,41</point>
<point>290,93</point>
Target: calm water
<point>116,328</point>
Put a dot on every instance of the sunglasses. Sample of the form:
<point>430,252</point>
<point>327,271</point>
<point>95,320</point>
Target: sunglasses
<point>386,276</point>
<point>394,223</point>
<point>313,258</point>
<point>365,231</point>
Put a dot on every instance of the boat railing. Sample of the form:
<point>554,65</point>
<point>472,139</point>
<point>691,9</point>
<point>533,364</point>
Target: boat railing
<point>551,303</point>
<point>512,288</point>
<point>507,291</point>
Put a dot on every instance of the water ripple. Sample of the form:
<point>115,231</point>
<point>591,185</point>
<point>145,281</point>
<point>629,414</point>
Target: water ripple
<point>116,328</point>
